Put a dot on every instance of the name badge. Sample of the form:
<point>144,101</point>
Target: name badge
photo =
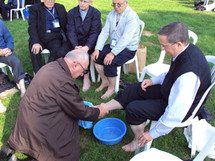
<point>56,23</point>
<point>113,43</point>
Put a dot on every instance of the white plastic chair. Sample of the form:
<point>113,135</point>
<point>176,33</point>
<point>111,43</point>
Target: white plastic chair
<point>158,155</point>
<point>142,25</point>
<point>159,67</point>
<point>192,119</point>
<point>209,7</point>
<point>18,9</point>
<point>4,69</point>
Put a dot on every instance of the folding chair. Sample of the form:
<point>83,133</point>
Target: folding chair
<point>18,9</point>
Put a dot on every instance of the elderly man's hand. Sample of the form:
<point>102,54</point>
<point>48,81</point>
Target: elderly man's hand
<point>108,58</point>
<point>146,83</point>
<point>95,55</point>
<point>6,52</point>
<point>36,48</point>
<point>144,139</point>
<point>103,111</point>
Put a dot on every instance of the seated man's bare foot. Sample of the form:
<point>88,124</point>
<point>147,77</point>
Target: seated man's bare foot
<point>131,147</point>
<point>86,85</point>
<point>102,86</point>
<point>108,93</point>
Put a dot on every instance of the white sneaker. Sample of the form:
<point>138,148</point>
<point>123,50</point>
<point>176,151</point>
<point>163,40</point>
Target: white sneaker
<point>2,108</point>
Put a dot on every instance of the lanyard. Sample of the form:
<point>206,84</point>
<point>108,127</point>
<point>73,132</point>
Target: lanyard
<point>51,13</point>
<point>117,22</point>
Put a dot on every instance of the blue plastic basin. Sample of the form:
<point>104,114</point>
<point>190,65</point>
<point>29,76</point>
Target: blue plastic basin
<point>109,131</point>
<point>86,124</point>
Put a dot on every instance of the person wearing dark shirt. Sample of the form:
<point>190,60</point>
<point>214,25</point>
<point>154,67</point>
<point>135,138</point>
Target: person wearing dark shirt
<point>5,8</point>
<point>47,28</point>
<point>83,28</point>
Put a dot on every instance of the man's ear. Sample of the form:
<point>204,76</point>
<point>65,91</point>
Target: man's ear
<point>91,2</point>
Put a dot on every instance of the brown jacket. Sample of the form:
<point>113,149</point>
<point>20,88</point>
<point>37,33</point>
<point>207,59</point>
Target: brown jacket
<point>47,123</point>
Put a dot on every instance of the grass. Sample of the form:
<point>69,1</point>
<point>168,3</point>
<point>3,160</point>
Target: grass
<point>155,14</point>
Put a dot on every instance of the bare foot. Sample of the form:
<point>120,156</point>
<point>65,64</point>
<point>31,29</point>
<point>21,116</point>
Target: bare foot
<point>86,84</point>
<point>102,86</point>
<point>108,93</point>
<point>131,147</point>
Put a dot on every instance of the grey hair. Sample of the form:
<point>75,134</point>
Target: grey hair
<point>175,32</point>
<point>77,55</point>
<point>125,0</point>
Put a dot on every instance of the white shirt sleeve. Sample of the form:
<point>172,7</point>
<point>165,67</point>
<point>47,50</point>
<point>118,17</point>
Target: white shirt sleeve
<point>103,36</point>
<point>182,95</point>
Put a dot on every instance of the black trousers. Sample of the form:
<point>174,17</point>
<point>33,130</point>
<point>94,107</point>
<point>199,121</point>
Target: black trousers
<point>119,60</point>
<point>141,105</point>
<point>54,43</point>
<point>1,3</point>
<point>17,68</point>
<point>6,11</point>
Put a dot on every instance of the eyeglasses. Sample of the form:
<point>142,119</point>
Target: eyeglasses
<point>117,4</point>
<point>167,46</point>
<point>85,71</point>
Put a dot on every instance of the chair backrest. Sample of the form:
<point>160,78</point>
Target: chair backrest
<point>210,59</point>
<point>163,52</point>
<point>22,4</point>
<point>193,36</point>
<point>142,25</point>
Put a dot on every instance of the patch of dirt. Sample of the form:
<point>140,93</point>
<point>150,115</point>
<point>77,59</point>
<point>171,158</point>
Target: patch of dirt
<point>147,33</point>
<point>150,43</point>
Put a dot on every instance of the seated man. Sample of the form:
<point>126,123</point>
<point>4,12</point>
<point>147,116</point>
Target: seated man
<point>8,57</point>
<point>122,26</point>
<point>47,28</point>
<point>171,97</point>
<point>1,3</point>
<point>7,7</point>
<point>83,28</point>
<point>46,127</point>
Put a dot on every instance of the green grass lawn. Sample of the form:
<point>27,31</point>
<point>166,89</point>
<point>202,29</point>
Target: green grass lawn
<point>155,14</point>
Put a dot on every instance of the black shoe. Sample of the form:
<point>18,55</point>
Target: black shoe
<point>6,151</point>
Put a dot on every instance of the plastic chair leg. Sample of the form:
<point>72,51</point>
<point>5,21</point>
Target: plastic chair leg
<point>92,72</point>
<point>23,17</point>
<point>11,15</point>
<point>117,79</point>
<point>137,68</point>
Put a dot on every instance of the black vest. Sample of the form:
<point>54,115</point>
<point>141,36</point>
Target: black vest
<point>191,60</point>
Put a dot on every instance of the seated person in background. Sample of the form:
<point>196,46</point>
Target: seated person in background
<point>122,26</point>
<point>31,2</point>
<point>83,28</point>
<point>8,57</point>
<point>1,3</point>
<point>169,98</point>
<point>7,7</point>
<point>46,127</point>
<point>47,28</point>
